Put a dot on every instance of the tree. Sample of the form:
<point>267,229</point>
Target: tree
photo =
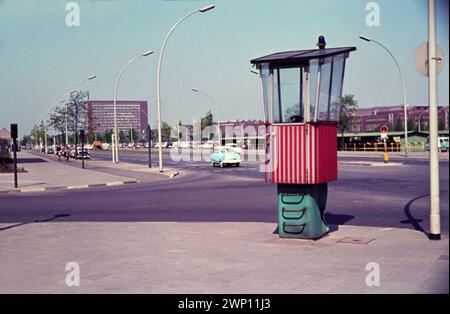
<point>166,131</point>
<point>345,109</point>
<point>441,124</point>
<point>73,112</point>
<point>294,113</point>
<point>26,140</point>
<point>37,133</point>
<point>207,120</point>
<point>76,111</point>
<point>57,120</point>
<point>398,125</point>
<point>410,124</point>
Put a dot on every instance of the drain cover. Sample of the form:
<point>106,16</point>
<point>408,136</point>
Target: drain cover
<point>355,240</point>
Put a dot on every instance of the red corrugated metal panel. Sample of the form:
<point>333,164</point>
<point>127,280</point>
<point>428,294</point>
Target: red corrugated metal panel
<point>301,154</point>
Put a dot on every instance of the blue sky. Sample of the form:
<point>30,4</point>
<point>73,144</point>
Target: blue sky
<point>41,58</point>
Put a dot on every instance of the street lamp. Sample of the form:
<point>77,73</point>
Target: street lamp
<point>196,90</point>
<point>201,10</point>
<point>115,149</point>
<point>365,38</point>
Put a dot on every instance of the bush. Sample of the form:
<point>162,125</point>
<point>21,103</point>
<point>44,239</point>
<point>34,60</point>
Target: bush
<point>6,162</point>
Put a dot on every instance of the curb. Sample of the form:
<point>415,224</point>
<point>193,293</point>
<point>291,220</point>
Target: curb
<point>371,164</point>
<point>69,187</point>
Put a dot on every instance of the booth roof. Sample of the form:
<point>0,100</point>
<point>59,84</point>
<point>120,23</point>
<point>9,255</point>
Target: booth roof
<point>301,56</point>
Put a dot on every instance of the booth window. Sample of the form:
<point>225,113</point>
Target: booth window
<point>284,88</point>
<point>337,78</point>
<point>266,81</point>
<point>288,105</point>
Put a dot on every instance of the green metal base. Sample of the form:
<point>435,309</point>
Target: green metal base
<point>301,210</point>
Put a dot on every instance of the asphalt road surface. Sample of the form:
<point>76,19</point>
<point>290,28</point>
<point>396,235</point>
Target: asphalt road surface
<point>393,196</point>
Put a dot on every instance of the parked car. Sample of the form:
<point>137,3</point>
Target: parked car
<point>50,151</point>
<point>442,144</point>
<point>83,154</point>
<point>224,156</point>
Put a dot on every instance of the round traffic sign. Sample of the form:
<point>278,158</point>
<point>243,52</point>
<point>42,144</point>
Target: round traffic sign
<point>421,59</point>
<point>384,128</point>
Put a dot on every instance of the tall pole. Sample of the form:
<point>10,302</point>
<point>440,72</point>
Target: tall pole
<point>67,128</point>
<point>158,78</point>
<point>115,139</point>
<point>219,131</point>
<point>435,226</point>
<point>405,105</point>
<point>149,146</point>
<point>45,138</point>
<point>76,124</point>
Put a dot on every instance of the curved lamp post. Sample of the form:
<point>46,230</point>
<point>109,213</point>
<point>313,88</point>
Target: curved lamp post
<point>158,90</point>
<point>196,90</point>
<point>403,88</point>
<point>115,149</point>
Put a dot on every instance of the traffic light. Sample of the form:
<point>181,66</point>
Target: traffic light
<point>14,131</point>
<point>82,135</point>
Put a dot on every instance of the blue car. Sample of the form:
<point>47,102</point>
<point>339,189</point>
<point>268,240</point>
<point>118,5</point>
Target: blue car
<point>224,156</point>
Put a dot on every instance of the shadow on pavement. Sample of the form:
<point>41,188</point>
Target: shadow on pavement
<point>35,221</point>
<point>30,160</point>
<point>415,222</point>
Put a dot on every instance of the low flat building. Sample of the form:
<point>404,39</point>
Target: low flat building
<point>5,140</point>
<point>370,119</point>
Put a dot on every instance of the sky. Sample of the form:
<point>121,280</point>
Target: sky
<point>41,57</point>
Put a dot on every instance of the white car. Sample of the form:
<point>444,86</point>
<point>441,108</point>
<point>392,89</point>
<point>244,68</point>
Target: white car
<point>235,147</point>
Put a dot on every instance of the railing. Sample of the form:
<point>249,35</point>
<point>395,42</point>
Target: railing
<point>379,147</point>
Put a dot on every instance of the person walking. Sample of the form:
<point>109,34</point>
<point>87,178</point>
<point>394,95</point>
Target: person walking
<point>58,152</point>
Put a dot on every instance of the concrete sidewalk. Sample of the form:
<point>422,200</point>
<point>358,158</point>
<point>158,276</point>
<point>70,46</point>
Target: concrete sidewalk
<point>234,257</point>
<point>45,174</point>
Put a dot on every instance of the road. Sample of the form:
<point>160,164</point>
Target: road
<point>392,196</point>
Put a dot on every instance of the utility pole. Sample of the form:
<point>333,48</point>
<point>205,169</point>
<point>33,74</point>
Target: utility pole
<point>149,146</point>
<point>435,224</point>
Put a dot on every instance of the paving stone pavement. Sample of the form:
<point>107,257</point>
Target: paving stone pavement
<point>178,257</point>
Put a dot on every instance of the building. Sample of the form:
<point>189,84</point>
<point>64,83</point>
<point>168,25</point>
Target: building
<point>131,114</point>
<point>370,119</point>
<point>5,140</point>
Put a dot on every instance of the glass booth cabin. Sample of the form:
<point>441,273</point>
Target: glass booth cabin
<point>301,93</point>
